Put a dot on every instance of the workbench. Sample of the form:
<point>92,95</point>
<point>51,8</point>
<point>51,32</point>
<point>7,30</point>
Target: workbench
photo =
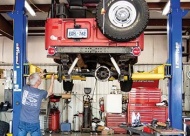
<point>156,131</point>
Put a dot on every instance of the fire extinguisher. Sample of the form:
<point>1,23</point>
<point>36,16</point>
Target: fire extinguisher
<point>101,104</point>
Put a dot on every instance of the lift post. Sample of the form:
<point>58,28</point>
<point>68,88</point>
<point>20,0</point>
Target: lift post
<point>174,28</point>
<point>19,52</point>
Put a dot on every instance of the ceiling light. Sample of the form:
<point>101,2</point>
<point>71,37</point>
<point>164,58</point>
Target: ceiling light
<point>29,9</point>
<point>166,9</point>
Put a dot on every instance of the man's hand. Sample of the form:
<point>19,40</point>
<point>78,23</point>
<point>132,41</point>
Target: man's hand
<point>41,73</point>
<point>52,78</point>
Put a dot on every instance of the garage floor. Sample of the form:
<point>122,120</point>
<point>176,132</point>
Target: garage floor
<point>79,134</point>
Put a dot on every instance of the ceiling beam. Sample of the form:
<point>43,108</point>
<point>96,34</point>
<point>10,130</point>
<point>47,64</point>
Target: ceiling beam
<point>37,8</point>
<point>156,5</point>
<point>163,22</point>
<point>6,28</point>
<point>161,5</point>
<point>46,7</point>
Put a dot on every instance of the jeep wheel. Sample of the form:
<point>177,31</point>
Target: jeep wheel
<point>124,20</point>
<point>126,86</point>
<point>59,73</point>
<point>68,86</point>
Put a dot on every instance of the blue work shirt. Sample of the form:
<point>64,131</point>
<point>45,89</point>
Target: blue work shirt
<point>31,103</point>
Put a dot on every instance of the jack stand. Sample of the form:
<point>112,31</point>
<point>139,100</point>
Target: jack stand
<point>66,126</point>
<point>87,111</point>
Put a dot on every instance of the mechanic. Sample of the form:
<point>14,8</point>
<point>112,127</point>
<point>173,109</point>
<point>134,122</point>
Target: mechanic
<point>31,103</point>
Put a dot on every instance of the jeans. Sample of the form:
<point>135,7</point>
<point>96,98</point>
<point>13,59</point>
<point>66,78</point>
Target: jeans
<point>32,128</point>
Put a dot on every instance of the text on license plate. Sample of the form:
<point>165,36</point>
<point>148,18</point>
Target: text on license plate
<point>77,33</point>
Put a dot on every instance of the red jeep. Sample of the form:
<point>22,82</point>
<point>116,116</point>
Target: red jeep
<point>101,39</point>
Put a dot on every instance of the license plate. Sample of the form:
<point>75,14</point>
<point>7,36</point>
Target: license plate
<point>77,33</point>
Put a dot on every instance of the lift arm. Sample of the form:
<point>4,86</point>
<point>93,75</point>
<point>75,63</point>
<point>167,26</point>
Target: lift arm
<point>160,72</point>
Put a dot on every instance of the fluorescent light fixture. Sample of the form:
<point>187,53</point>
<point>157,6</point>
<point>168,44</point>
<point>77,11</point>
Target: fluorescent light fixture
<point>166,9</point>
<point>29,9</point>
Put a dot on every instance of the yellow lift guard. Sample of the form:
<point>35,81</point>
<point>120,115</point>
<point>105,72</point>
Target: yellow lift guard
<point>160,72</point>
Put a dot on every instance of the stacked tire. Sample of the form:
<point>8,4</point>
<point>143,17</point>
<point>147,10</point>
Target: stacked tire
<point>4,128</point>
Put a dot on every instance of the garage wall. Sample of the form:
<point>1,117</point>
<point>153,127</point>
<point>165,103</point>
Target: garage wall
<point>6,50</point>
<point>155,53</point>
<point>155,50</point>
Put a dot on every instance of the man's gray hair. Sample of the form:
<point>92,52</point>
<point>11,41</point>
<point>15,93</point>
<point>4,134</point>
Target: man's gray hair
<point>33,78</point>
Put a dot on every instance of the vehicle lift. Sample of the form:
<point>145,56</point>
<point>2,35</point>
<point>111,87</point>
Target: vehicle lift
<point>19,51</point>
<point>175,59</point>
<point>174,28</point>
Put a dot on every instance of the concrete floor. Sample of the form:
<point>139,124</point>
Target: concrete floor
<point>80,134</point>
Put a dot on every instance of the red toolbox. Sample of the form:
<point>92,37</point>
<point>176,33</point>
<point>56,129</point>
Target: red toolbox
<point>113,120</point>
<point>145,95</point>
<point>148,112</point>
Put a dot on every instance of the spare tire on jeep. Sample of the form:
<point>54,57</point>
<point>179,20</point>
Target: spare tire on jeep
<point>122,20</point>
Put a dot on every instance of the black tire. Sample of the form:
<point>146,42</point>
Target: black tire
<point>4,128</point>
<point>124,20</point>
<point>126,85</point>
<point>68,85</point>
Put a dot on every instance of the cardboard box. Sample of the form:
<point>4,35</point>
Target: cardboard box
<point>113,106</point>
<point>108,132</point>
